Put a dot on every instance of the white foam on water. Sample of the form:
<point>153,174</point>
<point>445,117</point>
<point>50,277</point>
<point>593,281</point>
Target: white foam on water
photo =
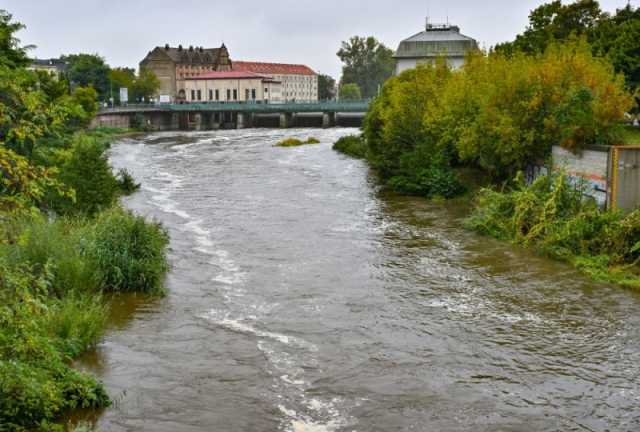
<point>301,423</point>
<point>242,327</point>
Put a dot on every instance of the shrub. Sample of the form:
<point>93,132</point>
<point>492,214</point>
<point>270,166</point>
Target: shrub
<point>553,216</point>
<point>56,245</point>
<point>126,182</point>
<point>351,145</point>
<point>432,182</point>
<point>128,252</point>
<point>294,142</point>
<point>37,337</point>
<point>86,170</point>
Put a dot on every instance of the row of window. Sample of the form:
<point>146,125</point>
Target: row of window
<point>196,95</point>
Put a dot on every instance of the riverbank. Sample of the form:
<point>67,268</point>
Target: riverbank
<point>64,243</point>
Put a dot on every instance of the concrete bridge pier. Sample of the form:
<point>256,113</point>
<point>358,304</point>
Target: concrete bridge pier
<point>287,120</point>
<point>245,120</point>
<point>328,119</point>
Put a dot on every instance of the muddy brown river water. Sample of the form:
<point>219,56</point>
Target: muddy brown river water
<point>304,298</point>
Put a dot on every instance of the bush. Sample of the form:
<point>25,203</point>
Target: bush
<point>351,145</point>
<point>432,182</point>
<point>128,253</point>
<point>86,170</point>
<point>37,338</point>
<point>294,142</point>
<point>126,182</point>
<point>552,216</point>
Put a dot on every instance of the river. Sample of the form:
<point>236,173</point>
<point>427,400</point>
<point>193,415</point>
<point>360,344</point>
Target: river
<point>302,297</point>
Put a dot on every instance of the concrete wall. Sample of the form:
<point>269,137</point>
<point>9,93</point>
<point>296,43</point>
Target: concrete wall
<point>591,167</point>
<point>111,120</point>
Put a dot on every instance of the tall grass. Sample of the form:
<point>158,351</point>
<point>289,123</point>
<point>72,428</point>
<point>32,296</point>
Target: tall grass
<point>128,252</point>
<point>553,217</point>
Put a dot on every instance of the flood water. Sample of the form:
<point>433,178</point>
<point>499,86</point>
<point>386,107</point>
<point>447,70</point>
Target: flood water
<point>304,298</point>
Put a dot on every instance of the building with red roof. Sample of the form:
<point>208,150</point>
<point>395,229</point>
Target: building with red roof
<point>299,82</point>
<point>229,86</point>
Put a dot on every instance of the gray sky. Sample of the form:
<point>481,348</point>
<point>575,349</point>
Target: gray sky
<point>288,31</point>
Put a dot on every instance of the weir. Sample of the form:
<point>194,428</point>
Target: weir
<point>212,116</point>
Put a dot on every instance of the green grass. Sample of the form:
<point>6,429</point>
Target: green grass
<point>53,273</point>
<point>294,142</point>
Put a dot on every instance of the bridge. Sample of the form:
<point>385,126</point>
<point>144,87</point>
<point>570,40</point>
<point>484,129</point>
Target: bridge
<point>216,115</point>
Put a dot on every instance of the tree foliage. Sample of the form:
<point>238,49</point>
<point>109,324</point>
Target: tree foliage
<point>350,92</point>
<point>326,87</point>
<point>89,70</point>
<point>367,63</point>
<point>497,113</point>
<point>615,36</point>
<point>12,54</point>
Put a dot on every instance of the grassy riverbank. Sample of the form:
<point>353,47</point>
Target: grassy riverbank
<point>64,243</point>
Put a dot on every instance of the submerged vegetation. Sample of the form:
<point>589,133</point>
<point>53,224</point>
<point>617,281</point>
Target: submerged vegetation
<point>552,216</point>
<point>351,145</point>
<point>64,242</point>
<point>295,142</point>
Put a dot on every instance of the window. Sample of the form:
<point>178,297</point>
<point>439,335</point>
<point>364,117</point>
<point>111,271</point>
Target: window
<point>253,94</point>
<point>193,95</point>
<point>246,94</point>
<point>217,94</point>
<point>266,90</point>
<point>210,94</point>
<point>199,94</point>
<point>228,94</point>
<point>235,94</point>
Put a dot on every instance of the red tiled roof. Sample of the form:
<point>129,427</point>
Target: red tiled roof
<point>234,74</point>
<point>272,68</point>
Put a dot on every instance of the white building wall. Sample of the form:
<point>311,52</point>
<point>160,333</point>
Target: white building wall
<point>225,90</point>
<point>404,64</point>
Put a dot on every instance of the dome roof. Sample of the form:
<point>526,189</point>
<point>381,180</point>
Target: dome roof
<point>435,41</point>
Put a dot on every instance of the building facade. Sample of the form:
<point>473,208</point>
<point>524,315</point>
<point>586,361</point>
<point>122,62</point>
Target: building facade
<point>299,82</point>
<point>229,86</point>
<point>437,40</point>
<point>54,67</point>
<point>173,66</point>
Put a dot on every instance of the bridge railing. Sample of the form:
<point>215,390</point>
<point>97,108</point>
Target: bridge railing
<point>241,106</point>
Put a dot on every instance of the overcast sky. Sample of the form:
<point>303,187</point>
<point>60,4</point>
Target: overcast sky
<point>288,31</point>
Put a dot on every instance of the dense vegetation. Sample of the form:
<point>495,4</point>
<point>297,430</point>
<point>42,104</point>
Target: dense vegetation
<point>295,142</point>
<point>614,36</point>
<point>497,114</point>
<point>552,216</point>
<point>567,80</point>
<point>64,242</point>
<point>351,145</point>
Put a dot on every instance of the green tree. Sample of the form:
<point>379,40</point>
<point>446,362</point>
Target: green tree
<point>11,53</point>
<point>121,78</point>
<point>554,22</point>
<point>87,171</point>
<point>145,86</point>
<point>350,92</point>
<point>367,63</point>
<point>326,87</point>
<point>89,70</point>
